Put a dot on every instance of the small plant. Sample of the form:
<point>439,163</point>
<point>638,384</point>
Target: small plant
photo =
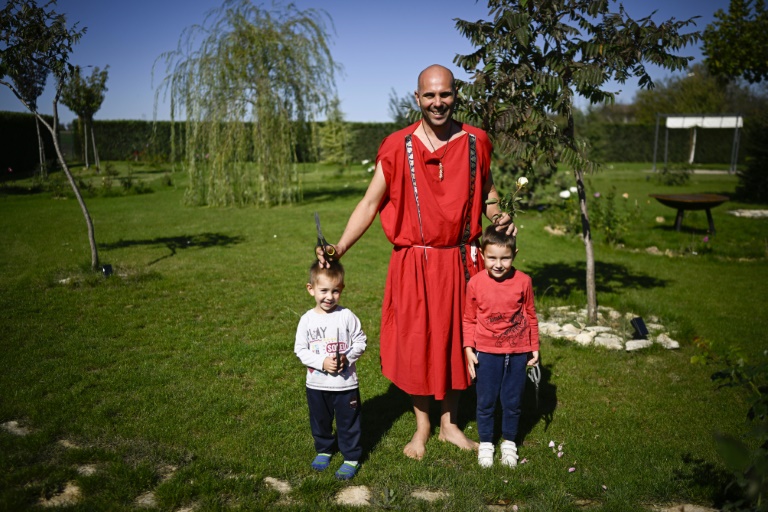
<point>747,458</point>
<point>612,220</point>
<point>674,175</point>
<point>126,182</point>
<point>698,246</point>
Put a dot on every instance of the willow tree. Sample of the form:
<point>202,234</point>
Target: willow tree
<point>535,56</point>
<point>245,82</point>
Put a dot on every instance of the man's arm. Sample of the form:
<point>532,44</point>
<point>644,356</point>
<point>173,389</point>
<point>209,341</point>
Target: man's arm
<point>362,216</point>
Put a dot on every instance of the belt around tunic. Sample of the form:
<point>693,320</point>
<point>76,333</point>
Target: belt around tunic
<point>473,248</point>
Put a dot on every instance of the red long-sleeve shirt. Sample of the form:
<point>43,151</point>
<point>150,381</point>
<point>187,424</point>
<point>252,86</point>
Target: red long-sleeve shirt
<point>499,316</point>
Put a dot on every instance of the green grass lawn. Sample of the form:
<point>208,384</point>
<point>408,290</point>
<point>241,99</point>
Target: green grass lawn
<point>176,375</point>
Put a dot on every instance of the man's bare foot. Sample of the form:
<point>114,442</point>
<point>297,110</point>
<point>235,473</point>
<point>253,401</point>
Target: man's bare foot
<point>451,433</point>
<point>417,447</point>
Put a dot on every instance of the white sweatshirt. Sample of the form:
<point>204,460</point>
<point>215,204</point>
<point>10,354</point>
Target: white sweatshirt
<point>316,338</point>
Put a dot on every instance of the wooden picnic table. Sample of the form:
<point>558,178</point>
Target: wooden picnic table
<point>683,202</point>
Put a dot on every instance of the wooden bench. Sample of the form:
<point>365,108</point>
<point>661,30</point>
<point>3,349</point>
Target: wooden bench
<point>682,202</point>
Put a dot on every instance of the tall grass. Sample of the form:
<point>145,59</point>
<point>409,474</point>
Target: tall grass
<point>176,375</point>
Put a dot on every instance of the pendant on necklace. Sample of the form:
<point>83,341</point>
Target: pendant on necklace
<point>441,171</point>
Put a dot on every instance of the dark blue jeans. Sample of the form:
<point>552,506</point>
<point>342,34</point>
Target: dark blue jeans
<point>499,376</point>
<point>345,406</point>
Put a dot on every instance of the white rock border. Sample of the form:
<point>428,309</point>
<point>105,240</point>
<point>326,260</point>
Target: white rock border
<point>570,323</point>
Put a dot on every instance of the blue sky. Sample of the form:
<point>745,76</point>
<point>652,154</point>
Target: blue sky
<point>381,46</point>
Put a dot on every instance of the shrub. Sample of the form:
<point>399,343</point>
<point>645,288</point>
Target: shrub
<point>753,181</point>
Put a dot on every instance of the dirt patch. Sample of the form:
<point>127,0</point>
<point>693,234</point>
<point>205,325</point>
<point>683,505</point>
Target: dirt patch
<point>70,496</point>
<point>14,428</point>
<point>146,500</point>
<point>356,496</point>
<point>687,507</point>
<point>429,495</point>
<point>280,486</point>
<point>86,470</point>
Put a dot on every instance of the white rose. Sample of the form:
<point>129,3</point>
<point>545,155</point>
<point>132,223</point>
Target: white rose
<point>574,190</point>
<point>565,194</point>
<point>522,181</point>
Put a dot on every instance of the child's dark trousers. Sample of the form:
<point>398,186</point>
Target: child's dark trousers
<point>499,376</point>
<point>345,407</point>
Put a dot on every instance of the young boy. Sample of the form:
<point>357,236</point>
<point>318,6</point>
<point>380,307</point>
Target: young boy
<point>329,339</point>
<point>501,338</point>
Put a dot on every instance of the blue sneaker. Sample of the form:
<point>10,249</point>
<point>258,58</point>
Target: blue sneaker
<point>346,471</point>
<point>321,462</point>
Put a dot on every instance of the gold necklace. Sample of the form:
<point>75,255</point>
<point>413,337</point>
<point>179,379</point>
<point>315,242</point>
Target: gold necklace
<point>439,158</point>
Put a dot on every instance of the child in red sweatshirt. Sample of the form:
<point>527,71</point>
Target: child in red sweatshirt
<point>501,338</point>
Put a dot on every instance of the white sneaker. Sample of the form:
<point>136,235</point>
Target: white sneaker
<point>509,453</point>
<point>485,455</point>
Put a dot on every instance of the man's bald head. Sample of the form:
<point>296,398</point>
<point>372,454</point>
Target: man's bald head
<point>432,71</point>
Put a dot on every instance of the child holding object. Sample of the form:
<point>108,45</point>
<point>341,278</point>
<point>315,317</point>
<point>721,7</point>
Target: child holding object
<point>501,338</point>
<point>329,339</point>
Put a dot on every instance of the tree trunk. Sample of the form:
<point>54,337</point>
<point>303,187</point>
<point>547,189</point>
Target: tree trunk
<point>84,125</point>
<point>590,253</point>
<point>96,160</point>
<point>41,151</point>
<point>88,221</point>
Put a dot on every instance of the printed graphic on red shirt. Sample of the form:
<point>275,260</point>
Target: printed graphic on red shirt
<point>518,323</point>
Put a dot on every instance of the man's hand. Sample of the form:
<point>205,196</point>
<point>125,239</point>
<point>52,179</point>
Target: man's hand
<point>504,223</point>
<point>534,360</point>
<point>320,253</point>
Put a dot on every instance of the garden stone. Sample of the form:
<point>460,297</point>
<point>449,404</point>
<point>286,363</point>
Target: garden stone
<point>633,345</point>
<point>585,337</point>
<point>570,328</point>
<point>610,341</point>
<point>667,342</point>
<point>614,315</point>
<point>548,327</point>
<point>654,327</point>
<point>598,328</point>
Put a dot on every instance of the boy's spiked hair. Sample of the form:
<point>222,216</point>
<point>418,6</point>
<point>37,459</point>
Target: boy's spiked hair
<point>334,272</point>
<point>493,237</point>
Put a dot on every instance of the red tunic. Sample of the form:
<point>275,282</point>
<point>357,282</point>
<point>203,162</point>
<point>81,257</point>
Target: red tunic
<point>421,345</point>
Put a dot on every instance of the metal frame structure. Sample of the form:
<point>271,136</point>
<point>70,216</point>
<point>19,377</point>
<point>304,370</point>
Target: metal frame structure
<point>675,121</point>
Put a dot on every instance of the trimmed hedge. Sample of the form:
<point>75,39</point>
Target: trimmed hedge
<point>147,140</point>
<point>128,140</point>
<point>634,143</point>
<point>19,142</point>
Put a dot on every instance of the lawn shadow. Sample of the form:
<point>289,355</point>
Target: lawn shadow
<point>537,408</point>
<point>175,243</point>
<point>325,195</point>
<point>704,475</point>
<point>560,279</point>
<point>380,413</point>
